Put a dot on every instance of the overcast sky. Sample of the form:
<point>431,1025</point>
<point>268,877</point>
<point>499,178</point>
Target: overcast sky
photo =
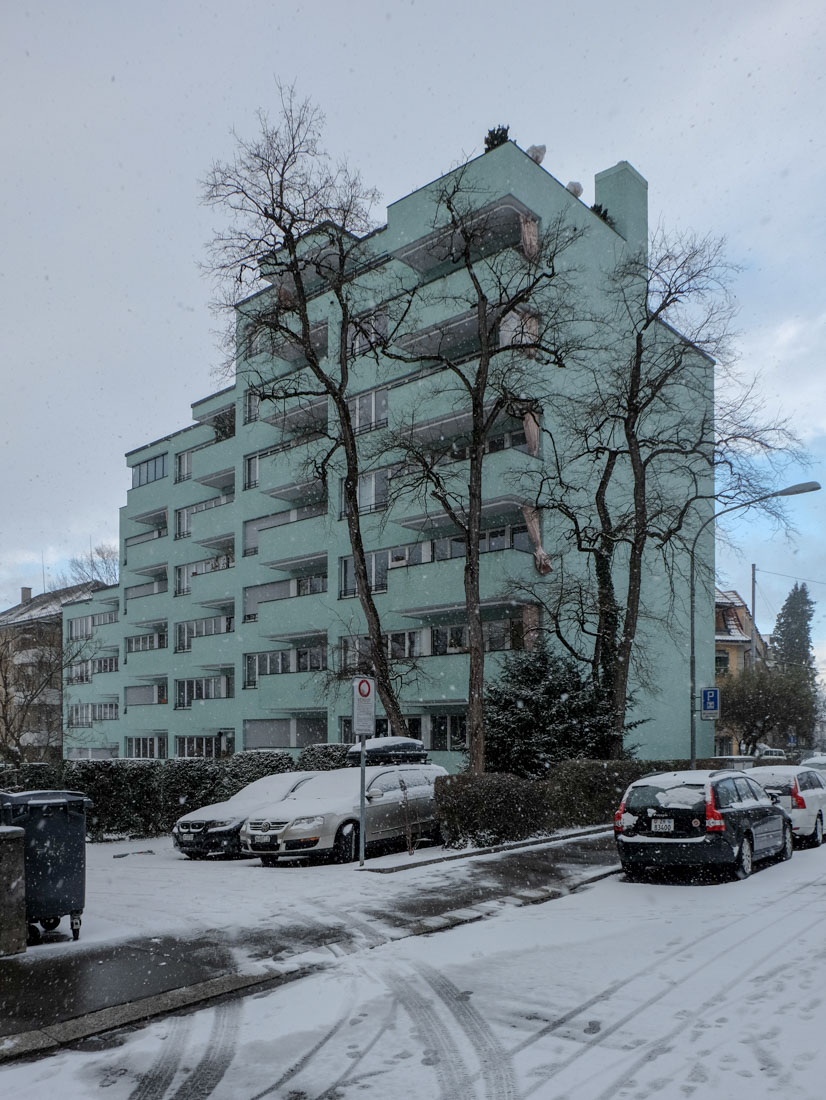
<point>113,112</point>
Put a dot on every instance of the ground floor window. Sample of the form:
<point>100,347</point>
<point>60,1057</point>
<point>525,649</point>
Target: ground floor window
<point>197,746</point>
<point>414,725</point>
<point>448,732</point>
<point>146,748</point>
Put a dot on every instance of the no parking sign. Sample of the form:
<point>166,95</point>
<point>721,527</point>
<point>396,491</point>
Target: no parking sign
<point>364,706</point>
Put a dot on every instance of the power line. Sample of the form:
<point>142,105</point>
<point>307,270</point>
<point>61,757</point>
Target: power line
<point>790,577</point>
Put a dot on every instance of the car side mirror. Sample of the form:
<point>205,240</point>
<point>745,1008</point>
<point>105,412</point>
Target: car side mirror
<point>774,797</point>
<point>373,795</point>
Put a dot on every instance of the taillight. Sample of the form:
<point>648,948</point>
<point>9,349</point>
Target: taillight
<point>618,818</point>
<point>715,822</point>
<point>798,801</point>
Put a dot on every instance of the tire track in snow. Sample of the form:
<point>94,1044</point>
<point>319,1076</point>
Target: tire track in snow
<point>650,1050</point>
<point>496,1066</point>
<point>220,1052</point>
<point>155,1081</point>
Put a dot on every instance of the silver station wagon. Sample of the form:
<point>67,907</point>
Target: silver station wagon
<point>322,818</point>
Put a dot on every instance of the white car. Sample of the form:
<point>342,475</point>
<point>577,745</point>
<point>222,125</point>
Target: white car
<point>214,830</point>
<point>322,818</point>
<point>801,791</point>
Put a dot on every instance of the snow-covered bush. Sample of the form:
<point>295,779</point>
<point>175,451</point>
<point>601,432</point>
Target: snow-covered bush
<point>322,757</point>
<point>246,767</point>
<point>125,795</point>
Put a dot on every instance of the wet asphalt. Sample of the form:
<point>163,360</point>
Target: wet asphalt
<point>37,993</point>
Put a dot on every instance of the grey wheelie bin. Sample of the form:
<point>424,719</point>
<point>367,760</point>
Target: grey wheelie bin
<point>54,847</point>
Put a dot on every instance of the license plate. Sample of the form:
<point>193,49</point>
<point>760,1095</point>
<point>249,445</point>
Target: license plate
<point>264,842</point>
<point>662,824</point>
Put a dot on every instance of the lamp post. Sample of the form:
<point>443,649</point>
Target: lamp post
<point>789,491</point>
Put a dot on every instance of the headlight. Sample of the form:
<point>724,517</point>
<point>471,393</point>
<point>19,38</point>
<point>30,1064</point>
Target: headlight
<point>307,823</point>
<point>215,825</point>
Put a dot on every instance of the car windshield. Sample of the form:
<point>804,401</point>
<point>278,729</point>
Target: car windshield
<point>653,796</point>
<point>271,787</point>
<point>332,784</point>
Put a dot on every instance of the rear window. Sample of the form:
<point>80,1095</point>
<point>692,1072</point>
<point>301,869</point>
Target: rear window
<point>690,796</point>
<point>781,783</point>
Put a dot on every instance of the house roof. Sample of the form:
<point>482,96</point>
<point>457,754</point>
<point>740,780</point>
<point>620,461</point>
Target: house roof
<point>47,605</point>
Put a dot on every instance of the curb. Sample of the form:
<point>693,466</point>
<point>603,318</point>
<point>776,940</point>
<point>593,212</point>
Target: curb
<point>539,842</point>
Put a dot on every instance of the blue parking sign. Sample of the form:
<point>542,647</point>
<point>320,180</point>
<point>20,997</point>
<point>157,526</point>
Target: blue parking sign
<point>710,705</point>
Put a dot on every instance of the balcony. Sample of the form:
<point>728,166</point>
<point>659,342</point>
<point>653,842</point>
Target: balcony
<point>287,541</point>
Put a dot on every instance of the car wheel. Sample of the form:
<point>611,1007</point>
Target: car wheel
<point>346,845</point>
<point>744,864</point>
<point>194,855</point>
<point>787,851</point>
<point>50,923</point>
<point>815,838</point>
<point>269,861</point>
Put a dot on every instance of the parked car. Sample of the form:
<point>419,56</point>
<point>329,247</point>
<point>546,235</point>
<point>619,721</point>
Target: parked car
<point>764,752</point>
<point>214,830</point>
<point>817,762</point>
<point>322,818</point>
<point>698,819</point>
<point>801,791</point>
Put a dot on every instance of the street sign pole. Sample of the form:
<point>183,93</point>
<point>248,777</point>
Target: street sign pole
<point>364,725</point>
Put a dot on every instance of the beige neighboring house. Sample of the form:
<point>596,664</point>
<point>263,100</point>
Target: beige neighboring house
<point>735,639</point>
<point>32,663</point>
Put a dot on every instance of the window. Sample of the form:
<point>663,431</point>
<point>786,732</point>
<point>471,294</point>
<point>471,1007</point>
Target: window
<point>138,695</point>
<point>84,714</point>
<point>197,746</point>
<point>146,748</point>
<point>519,328</point>
<point>80,628</point>
<point>448,732</point>
<point>150,470</point>
<point>721,661</point>
<point>80,673</point>
<point>183,579</point>
<point>183,465</point>
<point>252,406</point>
<point>104,664</point>
<point>376,563</point>
<point>372,492</point>
<point>200,688</point>
<point>200,628</point>
<point>140,643</point>
<point>311,586</point>
<point>367,332</point>
<point>448,639</point>
<point>183,522</point>
<point>251,464</point>
<point>368,411</point>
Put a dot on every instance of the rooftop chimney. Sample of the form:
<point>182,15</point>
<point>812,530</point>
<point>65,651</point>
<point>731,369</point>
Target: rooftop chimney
<point>25,595</point>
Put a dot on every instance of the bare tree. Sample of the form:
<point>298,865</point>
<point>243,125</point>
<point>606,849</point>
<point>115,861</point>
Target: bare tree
<point>300,222</point>
<point>101,564</point>
<point>638,451</point>
<point>33,660</point>
<point>510,297</point>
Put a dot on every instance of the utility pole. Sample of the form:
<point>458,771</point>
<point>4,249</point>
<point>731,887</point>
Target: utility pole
<point>753,615</point>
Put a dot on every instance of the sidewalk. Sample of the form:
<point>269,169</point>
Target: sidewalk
<point>51,1001</point>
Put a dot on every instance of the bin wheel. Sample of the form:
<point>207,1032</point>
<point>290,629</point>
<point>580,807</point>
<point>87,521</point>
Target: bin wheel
<point>50,923</point>
<point>75,920</point>
<point>32,935</point>
<point>75,933</point>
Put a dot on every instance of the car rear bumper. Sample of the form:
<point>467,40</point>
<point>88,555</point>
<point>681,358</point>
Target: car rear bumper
<point>696,852</point>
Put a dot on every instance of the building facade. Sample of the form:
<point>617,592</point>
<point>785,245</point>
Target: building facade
<point>235,624</point>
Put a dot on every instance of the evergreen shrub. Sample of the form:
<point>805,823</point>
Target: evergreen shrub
<point>124,794</point>
<point>245,767</point>
<point>323,757</point>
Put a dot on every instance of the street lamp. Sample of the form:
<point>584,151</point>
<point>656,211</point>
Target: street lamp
<point>790,491</point>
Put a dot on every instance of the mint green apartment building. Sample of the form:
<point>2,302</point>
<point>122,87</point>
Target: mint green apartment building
<point>236,617</point>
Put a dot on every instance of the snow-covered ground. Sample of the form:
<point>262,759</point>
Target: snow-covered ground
<point>619,992</point>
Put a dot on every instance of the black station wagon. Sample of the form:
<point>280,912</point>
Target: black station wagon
<point>697,819</point>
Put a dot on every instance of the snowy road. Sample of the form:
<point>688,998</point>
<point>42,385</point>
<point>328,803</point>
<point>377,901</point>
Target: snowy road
<point>620,991</point>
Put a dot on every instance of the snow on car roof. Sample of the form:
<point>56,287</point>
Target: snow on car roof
<point>674,779</point>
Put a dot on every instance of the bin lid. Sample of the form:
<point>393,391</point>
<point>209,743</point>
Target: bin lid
<point>44,798</point>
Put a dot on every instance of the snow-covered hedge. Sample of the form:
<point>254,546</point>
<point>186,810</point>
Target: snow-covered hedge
<point>323,757</point>
<point>496,808</point>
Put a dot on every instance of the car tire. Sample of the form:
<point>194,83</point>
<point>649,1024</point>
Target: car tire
<point>48,924</point>
<point>815,837</point>
<point>744,864</point>
<point>269,861</point>
<point>346,844</point>
<point>787,851</point>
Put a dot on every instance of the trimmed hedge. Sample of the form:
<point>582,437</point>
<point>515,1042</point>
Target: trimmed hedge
<point>146,797</point>
<point>495,808</point>
<point>323,758</point>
